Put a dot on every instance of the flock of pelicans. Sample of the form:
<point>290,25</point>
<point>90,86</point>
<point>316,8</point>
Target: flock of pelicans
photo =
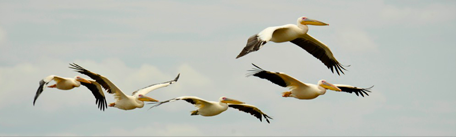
<point>296,34</point>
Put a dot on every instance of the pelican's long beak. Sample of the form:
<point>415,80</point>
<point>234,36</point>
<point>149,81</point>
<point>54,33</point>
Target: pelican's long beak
<point>330,86</point>
<point>232,101</point>
<point>308,21</point>
<point>83,80</point>
<point>144,98</point>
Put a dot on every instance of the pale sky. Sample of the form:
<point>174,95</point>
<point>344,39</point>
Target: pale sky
<point>404,48</point>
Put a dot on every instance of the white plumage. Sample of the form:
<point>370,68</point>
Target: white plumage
<point>212,108</point>
<point>302,90</point>
<point>298,35</point>
<point>123,101</point>
<point>63,83</point>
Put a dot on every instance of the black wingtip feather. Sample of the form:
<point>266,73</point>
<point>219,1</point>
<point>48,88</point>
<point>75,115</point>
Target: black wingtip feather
<point>177,78</point>
<point>39,91</point>
<point>162,102</point>
<point>253,44</point>
<point>257,66</point>
<point>321,54</point>
<point>270,76</point>
<point>338,67</point>
<point>356,90</point>
<point>369,88</point>
<point>267,120</point>
<point>75,66</point>
<point>258,114</point>
<point>100,100</point>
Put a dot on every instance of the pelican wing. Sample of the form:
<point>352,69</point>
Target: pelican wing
<point>319,51</point>
<point>198,102</point>
<point>252,110</point>
<point>95,87</point>
<point>43,83</point>
<point>353,89</point>
<point>149,88</point>
<point>278,78</point>
<point>57,79</point>
<point>103,81</point>
<point>255,42</point>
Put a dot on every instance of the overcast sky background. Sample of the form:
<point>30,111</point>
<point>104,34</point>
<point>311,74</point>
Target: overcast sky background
<point>404,48</point>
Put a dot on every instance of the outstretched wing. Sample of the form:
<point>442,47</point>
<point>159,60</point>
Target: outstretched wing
<point>353,89</point>
<point>255,42</point>
<point>198,102</point>
<point>278,78</point>
<point>103,81</point>
<point>43,83</point>
<point>97,92</point>
<point>319,51</point>
<point>252,110</point>
<point>149,88</point>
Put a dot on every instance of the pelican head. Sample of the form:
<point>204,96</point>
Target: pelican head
<point>328,85</point>
<point>307,21</point>
<point>80,79</point>
<point>146,98</point>
<point>229,100</point>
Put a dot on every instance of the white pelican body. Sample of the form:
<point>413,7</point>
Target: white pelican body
<point>212,108</point>
<point>123,101</point>
<point>296,34</point>
<point>70,83</point>
<point>310,91</point>
<point>286,33</point>
<point>65,83</point>
<point>301,90</point>
<point>127,103</point>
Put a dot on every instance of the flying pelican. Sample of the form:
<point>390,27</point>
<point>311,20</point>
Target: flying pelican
<point>123,101</point>
<point>212,108</point>
<point>69,83</point>
<point>296,34</point>
<point>300,90</point>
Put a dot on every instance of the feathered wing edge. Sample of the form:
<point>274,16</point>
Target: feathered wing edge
<point>270,76</point>
<point>254,70</point>
<point>162,102</point>
<point>167,83</point>
<point>42,86</point>
<point>104,82</point>
<point>254,43</point>
<point>190,99</point>
<point>97,92</point>
<point>39,91</point>
<point>254,111</point>
<point>356,90</point>
<point>321,52</point>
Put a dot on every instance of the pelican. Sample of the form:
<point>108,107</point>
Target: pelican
<point>212,108</point>
<point>296,34</point>
<point>301,90</point>
<point>70,83</point>
<point>123,101</point>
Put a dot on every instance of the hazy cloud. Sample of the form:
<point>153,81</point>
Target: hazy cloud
<point>355,40</point>
<point>422,15</point>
